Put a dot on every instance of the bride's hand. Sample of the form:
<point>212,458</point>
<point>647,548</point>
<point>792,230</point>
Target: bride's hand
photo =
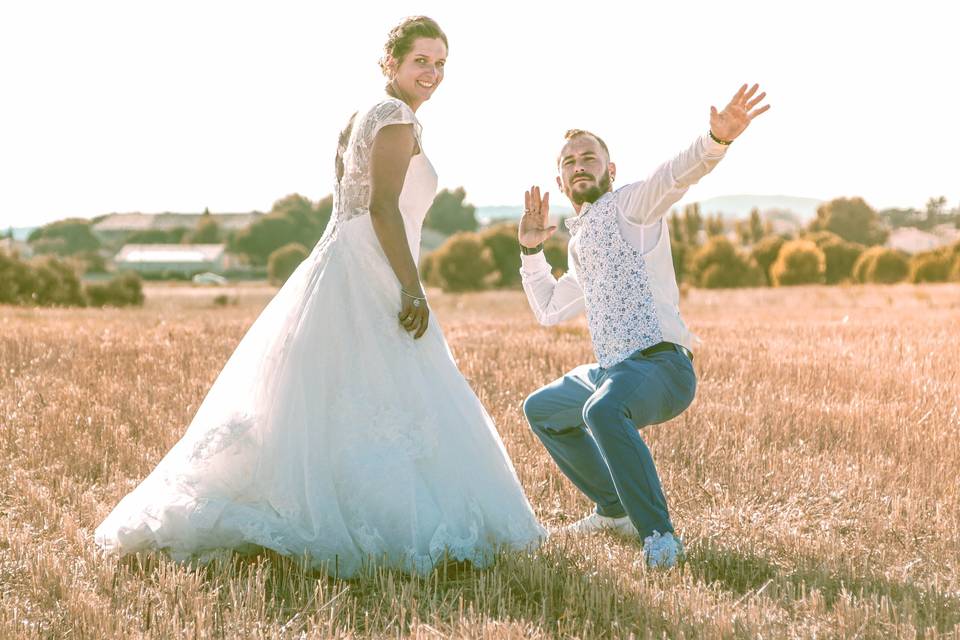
<point>414,312</point>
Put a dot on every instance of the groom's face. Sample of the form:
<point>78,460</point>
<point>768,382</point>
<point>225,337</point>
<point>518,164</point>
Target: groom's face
<point>586,172</point>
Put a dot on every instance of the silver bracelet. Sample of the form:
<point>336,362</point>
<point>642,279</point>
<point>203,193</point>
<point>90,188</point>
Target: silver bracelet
<point>411,296</point>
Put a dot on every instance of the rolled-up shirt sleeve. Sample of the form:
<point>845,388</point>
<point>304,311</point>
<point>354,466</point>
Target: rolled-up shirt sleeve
<point>552,300</point>
<point>647,201</point>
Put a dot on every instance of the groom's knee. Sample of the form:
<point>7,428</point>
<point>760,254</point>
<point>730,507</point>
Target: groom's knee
<point>533,408</point>
<point>602,412</point>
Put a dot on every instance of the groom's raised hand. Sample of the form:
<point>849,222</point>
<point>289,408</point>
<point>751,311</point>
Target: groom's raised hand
<point>534,225</point>
<point>737,115</point>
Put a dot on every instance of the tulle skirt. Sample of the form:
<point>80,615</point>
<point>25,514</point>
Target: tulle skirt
<point>332,435</point>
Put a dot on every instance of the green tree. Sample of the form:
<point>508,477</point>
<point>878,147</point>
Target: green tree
<point>931,266</point>
<point>158,236</point>
<point>715,225</point>
<point>123,290</point>
<point>852,219</point>
<point>463,262</point>
<point>449,213</point>
<point>936,208</point>
<point>501,240</point>
<point>880,265</point>
<point>17,281</point>
<point>69,236</point>
<point>895,218</point>
<point>207,232</point>
<point>264,236</point>
<point>757,230</point>
<point>742,229</point>
<point>840,256</point>
<point>87,262</point>
<point>820,238</point>
<point>798,262</point>
<point>309,219</point>
<point>765,253</point>
<point>284,261</point>
<point>692,223</point>
<point>718,264</point>
<point>294,206</point>
<point>50,246</point>
<point>55,283</point>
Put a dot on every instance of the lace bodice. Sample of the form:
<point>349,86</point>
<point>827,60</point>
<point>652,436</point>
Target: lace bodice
<point>353,191</point>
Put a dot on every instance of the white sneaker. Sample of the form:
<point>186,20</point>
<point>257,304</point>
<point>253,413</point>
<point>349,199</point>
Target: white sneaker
<point>596,522</point>
<point>662,550</point>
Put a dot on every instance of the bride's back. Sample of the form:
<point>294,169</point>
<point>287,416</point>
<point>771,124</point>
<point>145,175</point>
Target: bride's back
<point>354,184</point>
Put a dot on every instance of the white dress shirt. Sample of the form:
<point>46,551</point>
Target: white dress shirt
<point>640,217</point>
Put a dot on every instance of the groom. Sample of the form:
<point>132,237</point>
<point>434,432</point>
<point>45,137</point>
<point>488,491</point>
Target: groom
<point>621,273</point>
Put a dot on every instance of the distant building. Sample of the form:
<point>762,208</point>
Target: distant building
<point>949,233</point>
<point>913,240</point>
<point>187,259</point>
<point>118,226</point>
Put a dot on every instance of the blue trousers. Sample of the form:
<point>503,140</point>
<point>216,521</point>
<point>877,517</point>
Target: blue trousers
<point>589,421</point>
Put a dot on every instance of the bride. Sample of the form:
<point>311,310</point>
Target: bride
<point>340,429</point>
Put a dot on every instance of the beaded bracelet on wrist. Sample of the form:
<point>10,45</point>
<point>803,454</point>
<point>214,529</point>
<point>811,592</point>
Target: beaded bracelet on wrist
<point>718,140</point>
<point>529,251</point>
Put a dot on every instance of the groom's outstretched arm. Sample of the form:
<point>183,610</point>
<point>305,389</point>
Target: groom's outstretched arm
<point>647,201</point>
<point>552,300</point>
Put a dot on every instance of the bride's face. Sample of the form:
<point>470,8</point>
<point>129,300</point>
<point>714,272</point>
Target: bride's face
<point>421,71</point>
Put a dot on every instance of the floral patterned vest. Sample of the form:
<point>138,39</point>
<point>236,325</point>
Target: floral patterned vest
<point>617,289</point>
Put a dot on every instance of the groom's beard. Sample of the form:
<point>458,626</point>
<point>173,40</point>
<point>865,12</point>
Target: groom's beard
<point>592,194</point>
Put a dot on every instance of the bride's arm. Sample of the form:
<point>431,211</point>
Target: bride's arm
<point>392,148</point>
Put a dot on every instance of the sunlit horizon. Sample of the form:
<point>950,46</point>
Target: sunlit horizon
<point>179,107</point>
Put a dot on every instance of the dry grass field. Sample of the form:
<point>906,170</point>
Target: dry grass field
<point>814,479</point>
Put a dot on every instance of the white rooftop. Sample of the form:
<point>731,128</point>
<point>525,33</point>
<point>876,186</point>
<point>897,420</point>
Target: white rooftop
<point>167,221</point>
<point>169,253</point>
<point>913,240</point>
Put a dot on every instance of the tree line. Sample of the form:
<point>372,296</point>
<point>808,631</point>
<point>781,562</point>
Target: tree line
<point>293,224</point>
<point>844,243</point>
<point>48,280</point>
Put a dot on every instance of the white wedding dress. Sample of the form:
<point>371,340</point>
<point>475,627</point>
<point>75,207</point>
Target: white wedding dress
<point>331,434</point>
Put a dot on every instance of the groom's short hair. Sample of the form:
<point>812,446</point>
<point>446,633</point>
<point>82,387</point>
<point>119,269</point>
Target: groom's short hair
<point>575,133</point>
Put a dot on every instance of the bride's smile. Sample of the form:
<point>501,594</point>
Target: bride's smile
<point>420,72</point>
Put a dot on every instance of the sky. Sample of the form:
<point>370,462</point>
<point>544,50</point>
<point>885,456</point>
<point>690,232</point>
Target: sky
<point>185,105</point>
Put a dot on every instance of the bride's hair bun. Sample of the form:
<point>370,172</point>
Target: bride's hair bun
<point>402,37</point>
